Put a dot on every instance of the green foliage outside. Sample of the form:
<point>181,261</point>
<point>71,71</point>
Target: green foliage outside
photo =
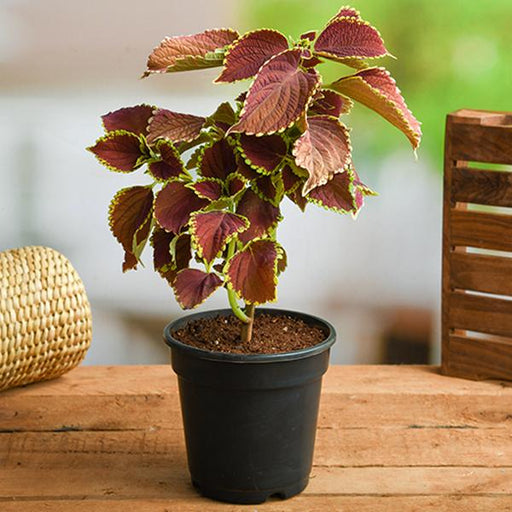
<point>451,54</point>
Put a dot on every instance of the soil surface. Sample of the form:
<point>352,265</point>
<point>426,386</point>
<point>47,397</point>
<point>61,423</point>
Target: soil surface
<point>271,334</point>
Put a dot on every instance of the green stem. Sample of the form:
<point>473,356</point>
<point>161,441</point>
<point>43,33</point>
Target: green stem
<point>237,310</point>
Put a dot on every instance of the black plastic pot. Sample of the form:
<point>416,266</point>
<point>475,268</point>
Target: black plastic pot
<point>250,420</point>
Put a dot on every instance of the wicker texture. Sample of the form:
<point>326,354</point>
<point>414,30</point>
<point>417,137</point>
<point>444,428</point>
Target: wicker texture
<point>45,317</point>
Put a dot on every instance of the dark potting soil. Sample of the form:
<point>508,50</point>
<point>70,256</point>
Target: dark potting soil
<point>271,334</point>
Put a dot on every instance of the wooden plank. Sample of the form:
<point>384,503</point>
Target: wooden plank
<point>450,503</point>
<point>481,273</point>
<point>482,187</point>
<point>156,481</point>
<point>86,399</point>
<point>480,314</point>
<point>483,359</point>
<point>386,447</point>
<point>483,230</point>
<point>474,143</point>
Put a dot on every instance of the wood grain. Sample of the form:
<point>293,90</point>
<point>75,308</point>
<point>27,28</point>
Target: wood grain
<point>483,230</point>
<point>390,438</point>
<point>482,187</point>
<point>481,273</point>
<point>480,314</point>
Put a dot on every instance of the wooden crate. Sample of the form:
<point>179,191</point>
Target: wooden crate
<point>477,246</point>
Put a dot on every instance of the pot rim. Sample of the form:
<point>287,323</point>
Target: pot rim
<point>250,358</point>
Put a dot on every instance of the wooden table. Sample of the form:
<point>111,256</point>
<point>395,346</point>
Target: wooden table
<point>389,439</point>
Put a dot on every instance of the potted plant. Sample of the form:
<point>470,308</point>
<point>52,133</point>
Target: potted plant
<point>210,209</point>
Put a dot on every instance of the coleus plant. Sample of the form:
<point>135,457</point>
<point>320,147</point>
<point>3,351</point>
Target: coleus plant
<point>212,205</point>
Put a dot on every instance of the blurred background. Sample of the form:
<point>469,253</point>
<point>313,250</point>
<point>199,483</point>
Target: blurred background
<point>377,279</point>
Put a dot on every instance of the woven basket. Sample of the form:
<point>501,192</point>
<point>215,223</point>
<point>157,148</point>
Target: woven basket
<point>45,317</point>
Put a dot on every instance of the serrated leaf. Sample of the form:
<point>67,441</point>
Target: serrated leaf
<point>263,216</point>
<point>291,181</point>
<point>170,164</point>
<point>269,188</point>
<point>235,185</point>
<point>174,205</point>
<point>192,287</point>
<point>223,117</point>
<point>130,214</point>
<point>349,38</point>
<point>174,126</point>
<point>262,153</point>
<point>376,89</point>
<point>308,36</point>
<point>131,119</point>
<point>217,160</point>
<point>248,53</point>
<point>162,259</point>
<point>360,192</point>
<point>119,151</point>
<point>323,150</point>
<point>338,194</point>
<point>345,12</point>
<point>297,198</point>
<point>282,262</point>
<point>278,97</point>
<point>330,103</point>
<point>252,272</point>
<point>183,53</point>
<point>208,188</point>
<point>211,231</point>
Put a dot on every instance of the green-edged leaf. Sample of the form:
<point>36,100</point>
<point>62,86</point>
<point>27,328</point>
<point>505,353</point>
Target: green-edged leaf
<point>308,36</point>
<point>208,188</point>
<point>130,214</point>
<point>248,53</point>
<point>197,51</point>
<point>291,181</point>
<point>131,119</point>
<point>345,12</point>
<point>262,153</point>
<point>296,197</point>
<point>347,38</point>
<point>269,188</point>
<point>211,231</point>
<point>279,95</point>
<point>338,194</point>
<point>192,287</point>
<point>282,262</point>
<point>162,259</point>
<point>174,204</point>
<point>252,272</point>
<point>360,192</point>
<point>263,216</point>
<point>235,185</point>
<point>223,117</point>
<point>169,165</point>
<point>120,151</point>
<point>323,150</point>
<point>217,160</point>
<point>329,103</point>
<point>376,89</point>
<point>174,126</point>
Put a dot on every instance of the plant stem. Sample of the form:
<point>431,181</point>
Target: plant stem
<point>237,310</point>
<point>247,328</point>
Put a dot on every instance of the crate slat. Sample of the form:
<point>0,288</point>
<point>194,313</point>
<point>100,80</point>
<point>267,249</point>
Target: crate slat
<point>482,187</point>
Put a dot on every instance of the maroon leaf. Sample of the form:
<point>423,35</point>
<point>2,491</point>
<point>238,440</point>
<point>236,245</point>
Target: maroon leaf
<point>345,12</point>
<point>192,287</point>
<point>338,194</point>
<point>183,53</point>
<point>296,197</point>
<point>250,52</point>
<point>263,153</point>
<point>130,220</point>
<point>217,160</point>
<point>308,36</point>
<point>224,116</point>
<point>174,126</point>
<point>360,192</point>
<point>247,172</point>
<point>263,216</point>
<point>252,272</point>
<point>208,188</point>
<point>236,183</point>
<point>291,181</point>
<point>323,150</point>
<point>119,151</point>
<point>174,204</point>
<point>330,103</point>
<point>241,97</point>
<point>278,97</point>
<point>269,188</point>
<point>171,253</point>
<point>131,119</point>
<point>170,164</point>
<point>376,89</point>
<point>211,231</point>
<point>349,38</point>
